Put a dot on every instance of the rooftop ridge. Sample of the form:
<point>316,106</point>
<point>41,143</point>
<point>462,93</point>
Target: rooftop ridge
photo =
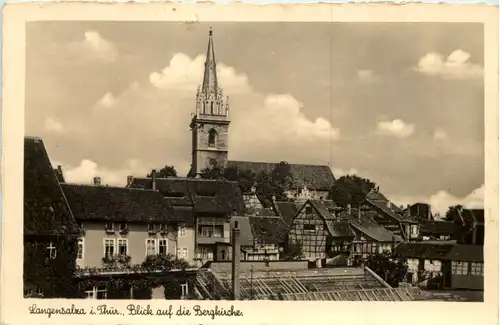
<point>275,163</point>
<point>111,187</point>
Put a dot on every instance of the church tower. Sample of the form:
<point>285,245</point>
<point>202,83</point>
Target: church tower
<point>210,123</point>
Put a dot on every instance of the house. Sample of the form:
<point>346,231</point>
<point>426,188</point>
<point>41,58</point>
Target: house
<point>370,237</point>
<point>319,234</point>
<point>471,224</point>
<point>210,203</point>
<point>313,180</point>
<point>261,236</point>
<point>127,223</point>
<point>437,230</point>
<point>49,229</point>
<point>390,216</point>
<point>447,264</point>
<point>419,211</point>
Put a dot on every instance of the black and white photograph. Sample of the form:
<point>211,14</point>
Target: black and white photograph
<point>254,160</point>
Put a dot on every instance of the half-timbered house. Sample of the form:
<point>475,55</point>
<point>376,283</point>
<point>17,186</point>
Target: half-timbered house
<point>389,215</point>
<point>319,234</point>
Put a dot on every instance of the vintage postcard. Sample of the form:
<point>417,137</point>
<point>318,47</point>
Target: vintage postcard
<point>242,164</point>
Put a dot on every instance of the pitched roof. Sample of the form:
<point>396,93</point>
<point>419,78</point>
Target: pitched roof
<point>286,210</point>
<point>312,176</point>
<point>120,204</point>
<point>419,211</point>
<point>322,209</point>
<point>205,195</point>
<point>369,227</point>
<point>246,233</point>
<point>268,230</point>
<point>341,229</point>
<point>46,211</point>
<point>441,250</point>
<point>378,200</point>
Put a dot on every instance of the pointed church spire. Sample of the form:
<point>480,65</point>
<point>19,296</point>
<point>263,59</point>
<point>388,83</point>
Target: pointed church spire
<point>210,76</point>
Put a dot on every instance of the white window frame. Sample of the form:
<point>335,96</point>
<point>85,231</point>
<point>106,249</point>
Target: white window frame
<point>459,268</point>
<point>52,248</point>
<point>92,294</point>
<point>118,240</point>
<point>104,241</point>
<point>166,245</point>
<point>477,268</point>
<point>185,253</point>
<point>81,243</point>
<point>182,232</point>
<point>155,245</point>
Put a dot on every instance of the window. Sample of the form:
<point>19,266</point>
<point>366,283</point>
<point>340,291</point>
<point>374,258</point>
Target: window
<point>109,247</point>
<point>212,136</point>
<point>374,248</point>
<point>185,253</point>
<point>309,227</point>
<point>184,290</point>
<point>206,252</point>
<point>459,268</point>
<point>79,254</point>
<point>477,268</point>
<point>110,226</point>
<point>309,210</point>
<point>163,246</point>
<point>209,231</point>
<point>182,232</point>
<point>122,246</point>
<point>51,251</point>
<point>150,247</point>
<point>97,292</point>
<point>123,226</point>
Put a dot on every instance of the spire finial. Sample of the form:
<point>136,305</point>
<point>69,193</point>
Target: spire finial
<point>210,75</point>
<point>210,32</point>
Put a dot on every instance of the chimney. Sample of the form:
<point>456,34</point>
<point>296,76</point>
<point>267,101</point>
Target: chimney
<point>130,178</point>
<point>153,179</point>
<point>408,212</point>
<point>59,169</point>
<point>348,209</point>
<point>97,181</point>
<point>235,261</point>
<point>359,214</point>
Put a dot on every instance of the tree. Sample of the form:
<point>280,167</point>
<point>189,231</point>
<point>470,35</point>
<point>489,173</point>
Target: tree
<point>351,189</point>
<point>389,267</point>
<point>452,212</point>
<point>213,171</point>
<point>167,171</point>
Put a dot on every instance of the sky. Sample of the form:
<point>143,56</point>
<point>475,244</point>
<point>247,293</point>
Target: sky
<point>399,103</point>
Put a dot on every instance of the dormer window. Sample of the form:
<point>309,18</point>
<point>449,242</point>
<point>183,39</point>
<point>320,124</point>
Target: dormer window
<point>212,137</point>
<point>110,226</point>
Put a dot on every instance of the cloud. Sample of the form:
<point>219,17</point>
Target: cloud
<point>396,128</point>
<point>108,100</point>
<point>339,172</point>
<point>95,46</point>
<point>367,76</point>
<point>442,200</point>
<point>440,134</point>
<point>455,66</point>
<point>185,74</point>
<point>87,169</point>
<point>53,126</point>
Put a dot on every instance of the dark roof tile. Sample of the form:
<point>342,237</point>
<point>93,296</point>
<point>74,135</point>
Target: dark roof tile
<point>268,230</point>
<point>46,211</point>
<point>120,204</point>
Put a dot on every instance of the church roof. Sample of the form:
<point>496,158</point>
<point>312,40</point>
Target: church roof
<point>46,211</point>
<point>120,204</point>
<point>318,177</point>
<point>204,195</point>
<point>210,76</point>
